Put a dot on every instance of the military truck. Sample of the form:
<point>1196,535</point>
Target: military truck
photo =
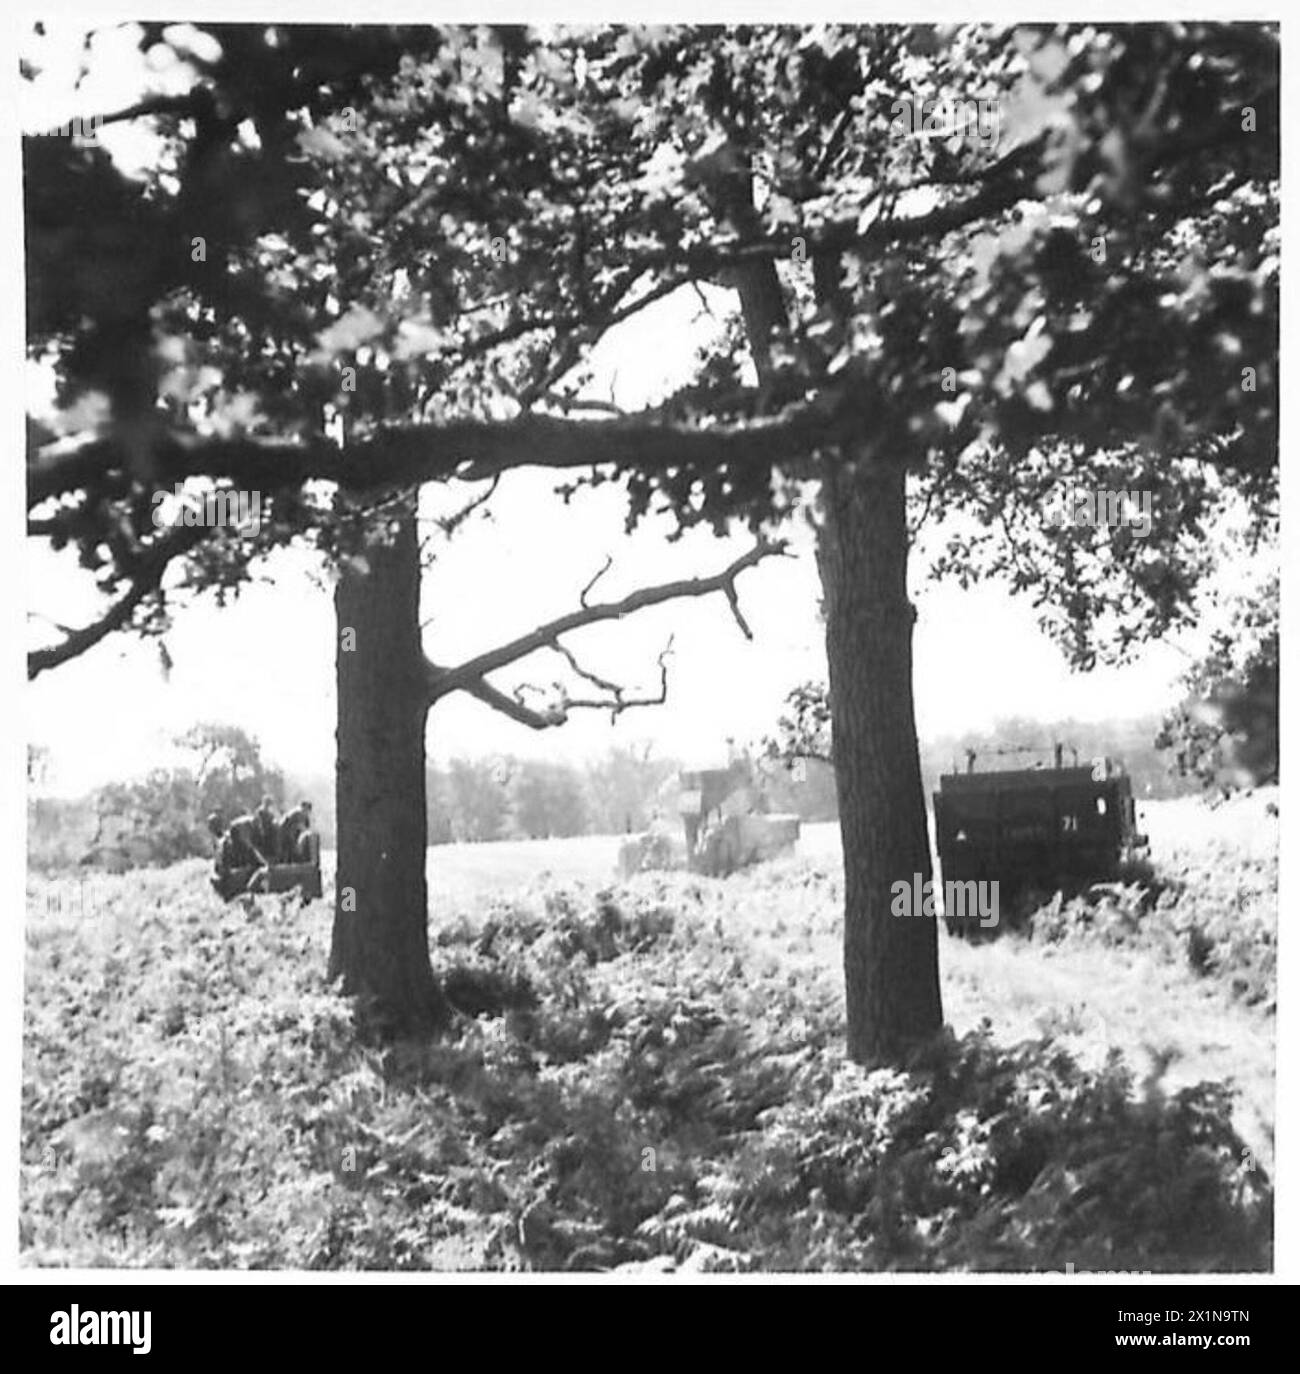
<point>1037,827</point>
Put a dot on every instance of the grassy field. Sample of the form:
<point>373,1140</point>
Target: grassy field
<point>650,1075</point>
<point>1185,827</point>
<point>1141,1000</point>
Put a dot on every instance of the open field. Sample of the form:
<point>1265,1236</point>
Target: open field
<point>649,1074</point>
<point>1182,826</point>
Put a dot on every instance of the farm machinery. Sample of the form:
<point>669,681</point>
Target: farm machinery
<point>1036,827</point>
<point>305,876</point>
<point>724,825</point>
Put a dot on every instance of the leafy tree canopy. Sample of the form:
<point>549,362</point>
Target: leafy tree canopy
<point>411,239</point>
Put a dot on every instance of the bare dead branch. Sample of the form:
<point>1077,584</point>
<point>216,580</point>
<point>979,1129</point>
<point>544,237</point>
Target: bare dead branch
<point>734,602</point>
<point>617,701</point>
<point>449,524</point>
<point>594,678</point>
<point>471,676</point>
<point>586,591</point>
<point>616,698</point>
<point>512,707</point>
<point>705,307</point>
<point>545,635</point>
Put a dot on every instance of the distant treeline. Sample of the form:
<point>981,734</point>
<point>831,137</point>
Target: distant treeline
<point>159,818</point>
<point>624,791</point>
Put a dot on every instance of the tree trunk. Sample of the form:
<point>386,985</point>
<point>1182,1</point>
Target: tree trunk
<point>380,945</point>
<point>891,963</point>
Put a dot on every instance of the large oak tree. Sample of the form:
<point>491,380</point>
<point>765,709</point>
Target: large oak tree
<point>426,232</point>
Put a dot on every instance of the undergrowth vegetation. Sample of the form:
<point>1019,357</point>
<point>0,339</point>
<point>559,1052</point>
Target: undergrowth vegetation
<point>626,1085</point>
<point>1219,919</point>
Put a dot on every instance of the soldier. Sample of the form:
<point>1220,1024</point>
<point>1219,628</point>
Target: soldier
<point>266,829</point>
<point>237,850</point>
<point>295,831</point>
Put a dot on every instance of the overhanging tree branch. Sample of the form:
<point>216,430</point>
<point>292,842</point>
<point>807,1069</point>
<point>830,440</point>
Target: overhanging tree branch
<point>600,572</point>
<point>469,449</point>
<point>430,452</point>
<point>145,575</point>
<point>512,706</point>
<point>471,675</point>
<point>616,699</point>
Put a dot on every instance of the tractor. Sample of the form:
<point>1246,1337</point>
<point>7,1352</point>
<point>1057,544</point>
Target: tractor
<point>725,827</point>
<point>303,875</point>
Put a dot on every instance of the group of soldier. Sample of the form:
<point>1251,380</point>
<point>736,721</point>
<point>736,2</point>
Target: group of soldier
<point>255,842</point>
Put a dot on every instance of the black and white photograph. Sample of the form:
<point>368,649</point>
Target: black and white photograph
<point>651,648</point>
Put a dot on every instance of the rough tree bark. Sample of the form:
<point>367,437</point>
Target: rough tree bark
<point>380,944</point>
<point>891,963</point>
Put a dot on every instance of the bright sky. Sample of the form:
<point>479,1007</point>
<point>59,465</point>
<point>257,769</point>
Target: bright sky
<point>267,662</point>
